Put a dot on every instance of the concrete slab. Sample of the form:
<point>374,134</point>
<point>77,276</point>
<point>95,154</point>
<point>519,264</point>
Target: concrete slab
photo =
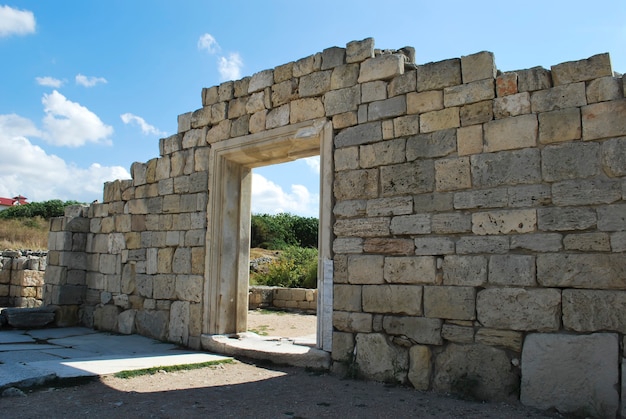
<point>14,336</point>
<point>15,357</point>
<point>22,376</point>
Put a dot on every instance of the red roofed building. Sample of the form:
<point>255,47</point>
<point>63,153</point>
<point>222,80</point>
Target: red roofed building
<point>9,202</point>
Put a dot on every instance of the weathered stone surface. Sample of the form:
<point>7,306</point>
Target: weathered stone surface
<point>604,89</point>
<point>504,222</point>
<point>506,338</point>
<point>457,333</point>
<point>587,242</point>
<point>438,75</point>
<point>261,80</point>
<point>513,105</point>
<point>465,270</point>
<point>513,270</point>
<point>458,303</point>
<point>536,78</point>
<point>356,184</point>
<point>396,299</point>
<point>559,97</point>
<point>389,206</point>
<point>573,374</point>
<point>178,331</point>
<point>388,108</point>
<point>529,195</point>
<point>379,360</point>
<point>357,51</point>
<point>436,246</point>
<point>152,323</point>
<point>563,219</point>
<point>438,120</point>
<point>306,109</point>
<point>594,310</point>
<point>511,133</point>
<point>485,244</point>
<point>410,270</point>
<point>105,317</point>
<point>382,153</point>
<point>582,70</point>
<point>342,100</point>
<point>388,246</point>
<point>450,223</point>
<point>484,198</point>
<point>419,367</point>
<point>347,297</point>
<point>373,90</point>
<point>476,113</point>
<point>383,67</point>
<point>431,100</point>
<point>410,224</point>
<point>126,322</point>
<point>586,192</point>
<point>506,168</point>
<point>366,269</point>
<point>475,371</point>
<point>436,144</point>
<point>407,178</point>
<point>362,227</point>
<point>570,161</point>
<point>478,66</point>
<point>418,329</point>
<point>604,120</point>
<point>506,84</point>
<point>360,134</point>
<point>468,93</point>
<point>333,57</point>
<point>614,156</point>
<point>28,318</point>
<point>469,140</point>
<point>343,346</point>
<point>519,309</point>
<point>346,321</point>
<point>560,125</point>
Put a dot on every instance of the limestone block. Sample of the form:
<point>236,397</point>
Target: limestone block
<point>582,70</point>
<point>343,347</point>
<point>587,242</point>
<point>360,134</point>
<point>152,323</point>
<point>314,84</point>
<point>239,127</point>
<point>559,97</point>
<point>342,100</point>
<point>464,270</point>
<point>407,178</point>
<point>404,83</point>
<point>365,269</point>
<point>382,153</point>
<point>181,262</point>
<point>504,222</point>
<point>478,66</point>
<point>605,271</point>
<point>561,125</point>
<point>604,89</point>
<point>586,192</point>
<point>178,331</point>
<point>410,224</point>
<point>201,117</point>
<point>506,338</point>
<point>506,168</point>
<point>283,72</point>
<point>604,120</point>
<point>453,174</point>
<point>512,270</point>
<point>226,91</point>
<point>419,367</point>
<point>410,270</point>
<point>506,84</point>
<point>433,202</point>
<point>307,65</point>
<point>399,205</point>
<point>562,219</point>
<point>383,67</point>
<point>536,78</point>
<point>438,75</point>
<point>613,153</point>
<point>469,140</point>
<point>450,223</point>
<point>406,125</point>
<point>347,297</point>
<point>278,117</point>
<point>164,287</point>
<point>476,371</point>
<point>464,94</point>
<point>255,102</point>
<point>352,322</point>
<point>343,209</point>
<point>612,218</point>
<point>344,76</point>
<point>519,309</point>
<point>218,113</point>
<point>306,109</point>
<point>210,95</point>
<point>396,299</point>
<point>431,100</point>
<point>189,288</point>
<point>389,246</point>
<point>261,80</point>
<point>240,87</point>
<point>418,329</point>
<point>388,108</point>
<point>435,144</point>
<point>426,246</point>
<point>594,310</point>
<point>618,242</point>
<point>573,374</point>
<point>284,92</point>
<point>511,133</point>
<point>374,90</point>
<point>333,57</point>
<point>357,51</point>
<point>457,333</point>
<point>379,360</point>
<point>512,105</point>
<point>126,322</point>
<point>438,120</point>
<point>105,317</point>
<point>452,302</point>
<point>344,120</point>
<point>356,184</point>
<point>476,113</point>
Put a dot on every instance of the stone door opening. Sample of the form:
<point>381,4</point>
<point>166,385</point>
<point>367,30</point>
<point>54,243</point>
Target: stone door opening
<point>228,228</point>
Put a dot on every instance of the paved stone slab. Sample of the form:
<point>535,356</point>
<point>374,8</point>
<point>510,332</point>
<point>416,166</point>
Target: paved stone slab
<point>14,336</point>
<point>59,333</point>
<point>11,347</point>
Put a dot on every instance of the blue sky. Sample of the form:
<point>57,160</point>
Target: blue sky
<point>88,87</point>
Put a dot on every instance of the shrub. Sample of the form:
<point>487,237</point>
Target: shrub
<point>295,267</point>
<point>276,232</point>
<point>46,209</point>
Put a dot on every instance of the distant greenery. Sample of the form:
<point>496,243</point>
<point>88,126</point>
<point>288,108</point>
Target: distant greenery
<point>295,267</point>
<point>46,209</point>
<point>24,233</point>
<point>277,232</point>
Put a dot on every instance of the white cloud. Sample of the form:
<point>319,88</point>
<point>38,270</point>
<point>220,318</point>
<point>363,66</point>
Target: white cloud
<point>70,124</point>
<point>208,42</point>
<point>13,125</point>
<point>230,68</point>
<point>129,118</point>
<point>89,81</point>
<point>16,22</point>
<point>269,198</point>
<point>49,82</point>
<point>313,163</point>
<point>28,170</point>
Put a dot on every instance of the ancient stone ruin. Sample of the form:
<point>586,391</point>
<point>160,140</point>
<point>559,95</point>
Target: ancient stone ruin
<point>472,223</point>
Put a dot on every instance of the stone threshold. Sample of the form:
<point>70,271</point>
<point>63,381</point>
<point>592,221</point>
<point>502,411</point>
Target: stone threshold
<point>297,352</point>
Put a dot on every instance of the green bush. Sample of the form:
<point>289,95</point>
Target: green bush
<point>276,232</point>
<point>46,209</point>
<point>296,267</point>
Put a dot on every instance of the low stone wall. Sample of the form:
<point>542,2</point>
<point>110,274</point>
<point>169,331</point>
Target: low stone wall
<point>22,278</point>
<point>283,298</point>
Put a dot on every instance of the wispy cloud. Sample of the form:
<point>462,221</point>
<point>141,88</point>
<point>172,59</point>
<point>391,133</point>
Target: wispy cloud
<point>129,118</point>
<point>229,66</point>
<point>208,42</point>
<point>270,198</point>
<point>89,81</point>
<point>49,82</point>
<point>70,124</point>
<point>16,22</point>
<point>313,163</point>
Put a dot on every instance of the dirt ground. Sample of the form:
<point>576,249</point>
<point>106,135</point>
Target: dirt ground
<point>244,389</point>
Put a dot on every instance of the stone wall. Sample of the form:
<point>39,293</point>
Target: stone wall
<point>22,278</point>
<point>300,299</point>
<point>479,222</point>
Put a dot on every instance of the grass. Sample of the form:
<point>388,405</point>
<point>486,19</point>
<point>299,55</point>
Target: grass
<point>263,330</point>
<point>171,368</point>
<point>24,233</point>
